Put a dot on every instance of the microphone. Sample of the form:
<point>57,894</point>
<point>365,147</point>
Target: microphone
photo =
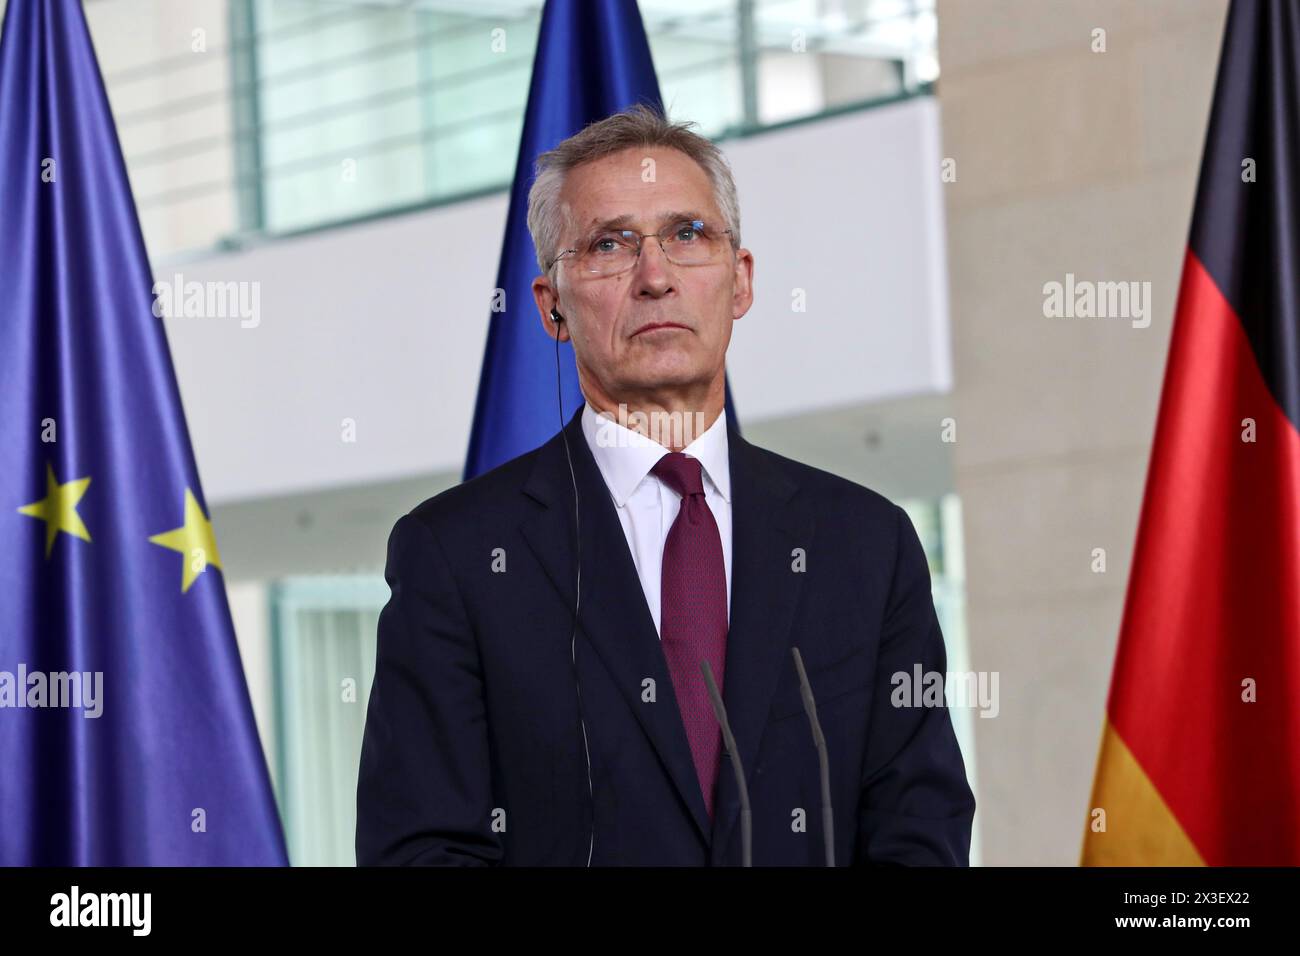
<point>746,819</point>
<point>819,741</point>
<point>577,586</point>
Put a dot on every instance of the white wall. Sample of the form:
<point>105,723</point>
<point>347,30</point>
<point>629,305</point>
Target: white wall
<point>248,610</point>
<point>385,322</point>
<point>1069,161</point>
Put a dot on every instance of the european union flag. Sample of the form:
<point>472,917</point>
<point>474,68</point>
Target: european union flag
<point>126,732</point>
<point>592,60</point>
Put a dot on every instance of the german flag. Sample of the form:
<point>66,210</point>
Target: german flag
<point>1200,754</point>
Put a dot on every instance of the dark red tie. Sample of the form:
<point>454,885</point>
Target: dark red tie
<point>693,612</point>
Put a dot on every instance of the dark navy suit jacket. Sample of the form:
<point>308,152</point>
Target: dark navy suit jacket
<point>473,750</point>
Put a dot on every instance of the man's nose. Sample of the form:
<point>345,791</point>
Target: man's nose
<point>652,274</point>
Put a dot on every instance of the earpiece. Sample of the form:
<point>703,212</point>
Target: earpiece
<point>577,588</point>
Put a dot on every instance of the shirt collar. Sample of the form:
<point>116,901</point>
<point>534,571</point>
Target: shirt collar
<point>625,456</point>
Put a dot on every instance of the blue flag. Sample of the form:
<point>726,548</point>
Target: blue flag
<point>592,60</point>
<point>126,732</point>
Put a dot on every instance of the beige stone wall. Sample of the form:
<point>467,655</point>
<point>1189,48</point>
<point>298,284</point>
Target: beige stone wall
<point>1067,161</point>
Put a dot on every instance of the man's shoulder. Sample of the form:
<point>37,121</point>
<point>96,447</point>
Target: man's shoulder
<point>826,491</point>
<point>483,499</point>
<point>852,517</point>
<point>494,496</point>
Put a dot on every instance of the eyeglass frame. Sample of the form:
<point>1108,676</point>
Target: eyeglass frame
<point>640,236</point>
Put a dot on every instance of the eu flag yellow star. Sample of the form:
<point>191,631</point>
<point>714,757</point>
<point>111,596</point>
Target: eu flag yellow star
<point>194,540</point>
<point>58,509</point>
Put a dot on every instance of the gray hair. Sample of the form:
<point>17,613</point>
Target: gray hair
<point>638,126</point>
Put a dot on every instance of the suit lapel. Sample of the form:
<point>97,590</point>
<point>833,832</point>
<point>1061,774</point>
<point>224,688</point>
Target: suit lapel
<point>768,523</point>
<point>613,613</point>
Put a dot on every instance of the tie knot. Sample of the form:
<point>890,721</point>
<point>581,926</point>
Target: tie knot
<point>681,473</point>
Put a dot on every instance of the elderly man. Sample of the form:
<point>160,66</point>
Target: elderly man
<point>539,693</point>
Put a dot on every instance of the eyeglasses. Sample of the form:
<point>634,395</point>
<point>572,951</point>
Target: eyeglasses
<point>611,251</point>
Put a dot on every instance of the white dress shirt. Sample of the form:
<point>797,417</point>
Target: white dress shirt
<point>646,506</point>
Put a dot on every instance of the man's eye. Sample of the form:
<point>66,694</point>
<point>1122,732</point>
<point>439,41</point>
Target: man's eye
<point>607,244</point>
<point>687,232</point>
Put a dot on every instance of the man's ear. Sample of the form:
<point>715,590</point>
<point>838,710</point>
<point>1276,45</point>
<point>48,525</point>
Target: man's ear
<point>548,299</point>
<point>742,294</point>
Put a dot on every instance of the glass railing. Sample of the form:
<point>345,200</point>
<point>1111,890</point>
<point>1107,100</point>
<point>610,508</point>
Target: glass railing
<point>248,119</point>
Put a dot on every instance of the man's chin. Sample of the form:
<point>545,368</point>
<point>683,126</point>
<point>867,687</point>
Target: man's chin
<point>667,370</point>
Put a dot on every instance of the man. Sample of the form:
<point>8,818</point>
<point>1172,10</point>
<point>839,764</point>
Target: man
<point>501,730</point>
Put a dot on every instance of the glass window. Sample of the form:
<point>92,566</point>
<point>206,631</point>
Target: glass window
<point>276,116</point>
<point>323,649</point>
